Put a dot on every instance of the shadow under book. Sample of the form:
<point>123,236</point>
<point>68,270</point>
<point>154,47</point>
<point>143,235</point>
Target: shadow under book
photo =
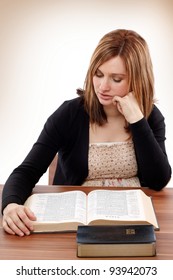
<point>112,241</point>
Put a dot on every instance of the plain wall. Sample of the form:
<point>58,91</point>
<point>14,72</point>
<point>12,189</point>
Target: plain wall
<point>45,48</point>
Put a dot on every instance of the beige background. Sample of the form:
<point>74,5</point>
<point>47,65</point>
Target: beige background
<point>45,47</point>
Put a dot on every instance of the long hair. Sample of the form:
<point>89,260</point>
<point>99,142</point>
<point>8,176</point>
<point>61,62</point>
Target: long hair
<point>133,49</point>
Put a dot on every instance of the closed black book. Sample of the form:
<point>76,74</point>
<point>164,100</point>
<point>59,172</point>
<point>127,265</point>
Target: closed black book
<point>111,241</point>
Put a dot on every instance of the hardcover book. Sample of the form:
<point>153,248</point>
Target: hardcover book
<point>66,210</point>
<point>111,241</point>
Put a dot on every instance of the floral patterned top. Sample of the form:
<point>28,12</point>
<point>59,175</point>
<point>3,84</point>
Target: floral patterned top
<point>112,164</point>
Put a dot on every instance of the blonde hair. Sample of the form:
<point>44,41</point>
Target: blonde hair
<point>133,49</point>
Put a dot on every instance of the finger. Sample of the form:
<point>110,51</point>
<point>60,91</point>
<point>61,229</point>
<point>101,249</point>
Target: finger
<point>15,227</point>
<point>7,229</point>
<point>18,222</point>
<point>117,102</point>
<point>117,99</point>
<point>25,218</point>
<point>130,93</point>
<point>30,214</point>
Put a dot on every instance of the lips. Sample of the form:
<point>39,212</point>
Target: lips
<point>104,96</point>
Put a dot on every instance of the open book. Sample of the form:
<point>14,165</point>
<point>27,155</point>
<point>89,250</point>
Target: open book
<point>66,210</point>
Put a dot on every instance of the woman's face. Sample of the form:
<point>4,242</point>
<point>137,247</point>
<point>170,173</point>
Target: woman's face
<point>111,80</point>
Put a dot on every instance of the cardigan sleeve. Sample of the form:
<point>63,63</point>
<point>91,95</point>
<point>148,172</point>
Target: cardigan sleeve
<point>54,136</point>
<point>154,170</point>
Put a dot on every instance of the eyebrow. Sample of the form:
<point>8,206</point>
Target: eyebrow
<point>118,74</point>
<point>114,74</point>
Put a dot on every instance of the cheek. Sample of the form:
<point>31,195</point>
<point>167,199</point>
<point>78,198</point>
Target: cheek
<point>95,82</point>
<point>120,90</point>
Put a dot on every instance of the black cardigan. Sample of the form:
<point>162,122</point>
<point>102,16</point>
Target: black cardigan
<point>67,132</point>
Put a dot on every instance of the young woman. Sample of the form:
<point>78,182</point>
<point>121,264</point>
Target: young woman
<point>111,135</point>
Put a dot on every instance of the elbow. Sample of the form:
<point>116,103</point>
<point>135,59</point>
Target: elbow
<point>159,186</point>
<point>158,181</point>
<point>165,177</point>
<point>164,182</point>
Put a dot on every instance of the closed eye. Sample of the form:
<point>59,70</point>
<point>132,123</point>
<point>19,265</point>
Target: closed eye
<point>98,74</point>
<point>117,80</point>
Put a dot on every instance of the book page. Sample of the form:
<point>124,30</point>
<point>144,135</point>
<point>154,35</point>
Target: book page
<point>149,210</point>
<point>59,207</point>
<point>115,205</point>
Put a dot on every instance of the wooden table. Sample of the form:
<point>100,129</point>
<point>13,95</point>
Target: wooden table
<point>62,246</point>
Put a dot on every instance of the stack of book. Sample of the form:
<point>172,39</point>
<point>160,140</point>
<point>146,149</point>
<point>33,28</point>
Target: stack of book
<point>109,222</point>
<point>111,241</point>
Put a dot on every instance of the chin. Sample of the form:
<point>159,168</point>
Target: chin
<point>105,102</point>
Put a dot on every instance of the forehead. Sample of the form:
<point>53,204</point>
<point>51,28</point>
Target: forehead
<point>114,65</point>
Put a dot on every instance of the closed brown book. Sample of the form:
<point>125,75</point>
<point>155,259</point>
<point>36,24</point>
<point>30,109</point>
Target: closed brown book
<point>112,241</point>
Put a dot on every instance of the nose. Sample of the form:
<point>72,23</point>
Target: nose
<point>104,85</point>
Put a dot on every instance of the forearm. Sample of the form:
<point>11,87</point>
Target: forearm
<point>22,180</point>
<point>16,189</point>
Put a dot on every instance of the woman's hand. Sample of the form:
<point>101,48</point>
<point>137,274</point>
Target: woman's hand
<point>17,219</point>
<point>128,107</point>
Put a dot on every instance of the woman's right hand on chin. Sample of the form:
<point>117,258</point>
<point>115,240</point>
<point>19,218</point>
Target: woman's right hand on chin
<point>17,219</point>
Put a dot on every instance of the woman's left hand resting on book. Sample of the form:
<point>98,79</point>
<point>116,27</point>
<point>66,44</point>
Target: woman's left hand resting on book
<point>17,219</point>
